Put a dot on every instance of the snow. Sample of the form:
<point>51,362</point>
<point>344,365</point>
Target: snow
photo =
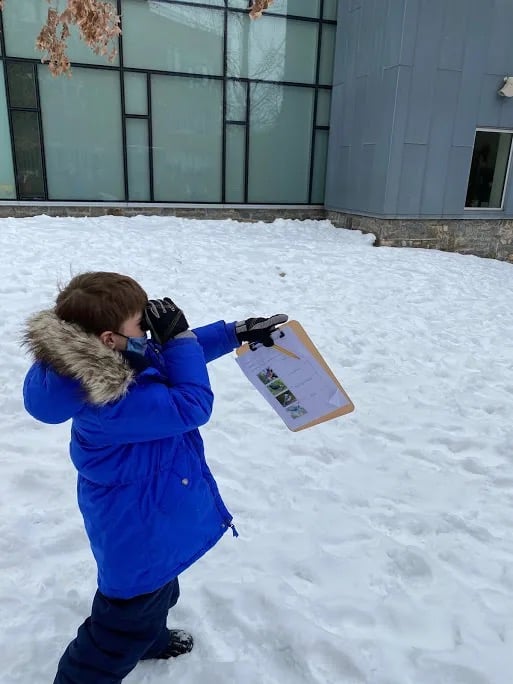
<point>376,548</point>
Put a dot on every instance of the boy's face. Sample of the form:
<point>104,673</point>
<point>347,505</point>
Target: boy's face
<point>117,339</point>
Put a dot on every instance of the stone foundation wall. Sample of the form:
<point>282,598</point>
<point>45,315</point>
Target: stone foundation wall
<point>484,238</point>
<point>243,213</point>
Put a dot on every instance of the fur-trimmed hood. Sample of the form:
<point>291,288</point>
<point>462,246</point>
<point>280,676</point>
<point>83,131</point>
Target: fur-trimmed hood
<point>103,373</point>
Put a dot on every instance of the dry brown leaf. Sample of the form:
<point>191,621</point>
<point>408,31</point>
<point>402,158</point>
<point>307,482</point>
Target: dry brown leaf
<point>258,7</point>
<point>98,26</point>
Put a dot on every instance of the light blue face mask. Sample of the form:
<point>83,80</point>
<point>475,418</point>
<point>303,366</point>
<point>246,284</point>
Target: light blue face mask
<point>137,345</point>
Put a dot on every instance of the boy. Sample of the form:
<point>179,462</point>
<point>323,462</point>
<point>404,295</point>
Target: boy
<point>150,504</point>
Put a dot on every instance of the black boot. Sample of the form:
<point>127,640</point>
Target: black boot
<point>180,642</point>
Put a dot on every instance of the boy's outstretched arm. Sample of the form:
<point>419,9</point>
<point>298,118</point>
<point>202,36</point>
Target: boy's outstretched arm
<point>221,338</point>
<point>217,339</point>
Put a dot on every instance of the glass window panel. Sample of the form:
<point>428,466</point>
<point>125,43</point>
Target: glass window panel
<point>136,99</point>
<point>323,107</point>
<point>319,167</point>
<point>235,101</point>
<point>23,20</point>
<point>159,35</point>
<point>187,142</point>
<point>275,49</point>
<point>235,156</point>
<point>300,8</point>
<point>489,168</point>
<point>7,187</point>
<point>216,3</point>
<point>82,130</point>
<point>138,160</point>
<point>241,4</point>
<point>327,54</point>
<point>281,119</point>
<point>330,9</point>
<point>27,148</point>
<point>22,85</point>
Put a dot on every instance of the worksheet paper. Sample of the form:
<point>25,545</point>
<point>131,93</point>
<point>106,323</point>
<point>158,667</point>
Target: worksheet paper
<point>298,389</point>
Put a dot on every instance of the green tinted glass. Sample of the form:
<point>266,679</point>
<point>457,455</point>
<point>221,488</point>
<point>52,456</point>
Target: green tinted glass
<point>82,131</point>
<point>187,141</point>
<point>280,142</point>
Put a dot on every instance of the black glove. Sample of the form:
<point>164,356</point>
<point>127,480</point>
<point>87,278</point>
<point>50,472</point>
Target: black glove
<point>259,329</point>
<point>164,320</point>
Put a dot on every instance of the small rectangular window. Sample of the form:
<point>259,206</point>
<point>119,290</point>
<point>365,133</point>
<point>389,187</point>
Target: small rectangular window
<point>489,170</point>
<point>22,84</point>
<point>136,98</point>
<point>138,159</point>
<point>236,101</point>
<point>7,185</point>
<point>27,147</point>
<point>235,157</point>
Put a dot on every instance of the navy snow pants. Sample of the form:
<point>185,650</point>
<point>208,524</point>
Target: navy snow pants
<point>119,633</point>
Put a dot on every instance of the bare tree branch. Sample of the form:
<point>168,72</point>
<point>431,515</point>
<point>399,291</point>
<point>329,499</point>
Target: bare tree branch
<point>98,26</point>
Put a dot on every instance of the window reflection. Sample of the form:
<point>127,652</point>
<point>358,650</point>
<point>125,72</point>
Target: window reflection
<point>275,50</point>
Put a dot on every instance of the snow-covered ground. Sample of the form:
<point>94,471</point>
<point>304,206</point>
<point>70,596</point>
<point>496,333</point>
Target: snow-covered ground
<point>376,548</point>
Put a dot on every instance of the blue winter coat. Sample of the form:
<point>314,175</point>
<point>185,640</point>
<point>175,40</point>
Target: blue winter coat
<point>150,504</point>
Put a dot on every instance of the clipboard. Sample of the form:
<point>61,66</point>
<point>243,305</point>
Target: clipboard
<point>294,378</point>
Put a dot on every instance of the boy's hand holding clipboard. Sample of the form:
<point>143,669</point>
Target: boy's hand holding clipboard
<point>290,373</point>
<point>259,329</point>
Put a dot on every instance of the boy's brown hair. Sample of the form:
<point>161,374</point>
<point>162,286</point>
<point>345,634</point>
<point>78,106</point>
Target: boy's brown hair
<point>100,301</point>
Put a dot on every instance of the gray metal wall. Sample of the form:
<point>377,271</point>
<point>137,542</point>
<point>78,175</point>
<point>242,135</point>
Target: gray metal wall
<point>413,80</point>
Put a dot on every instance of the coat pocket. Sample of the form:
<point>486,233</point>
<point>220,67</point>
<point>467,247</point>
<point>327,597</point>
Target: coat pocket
<point>172,487</point>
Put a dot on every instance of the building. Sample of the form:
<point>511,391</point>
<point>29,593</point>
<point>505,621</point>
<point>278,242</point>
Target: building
<point>384,115</point>
<point>420,139</point>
